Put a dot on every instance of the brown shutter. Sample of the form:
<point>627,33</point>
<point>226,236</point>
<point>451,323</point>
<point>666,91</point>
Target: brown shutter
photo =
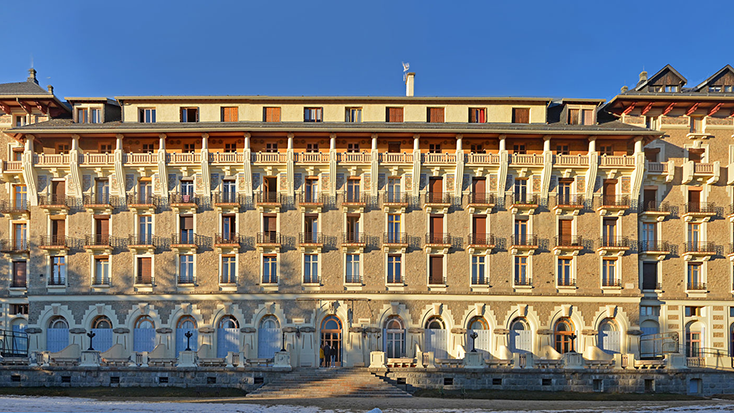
<point>520,115</point>
<point>268,223</point>
<point>144,270</point>
<point>480,228</point>
<point>272,114</point>
<point>649,275</point>
<point>588,117</point>
<point>694,200</point>
<point>436,228</point>
<point>436,270</point>
<point>58,229</point>
<point>19,273</point>
<point>59,188</point>
<point>394,114</point>
<point>564,231</point>
<point>609,190</point>
<point>573,117</point>
<point>650,199</point>
<point>103,226</point>
<point>435,115</point>
<point>436,185</point>
<point>479,189</point>
<point>187,222</point>
<point>695,155</point>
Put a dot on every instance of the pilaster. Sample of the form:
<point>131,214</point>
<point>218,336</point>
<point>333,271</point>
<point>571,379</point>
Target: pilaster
<point>120,170</point>
<point>76,175</point>
<point>416,165</point>
<point>459,166</point>
<point>29,172</point>
<point>162,171</point>
<point>248,166</point>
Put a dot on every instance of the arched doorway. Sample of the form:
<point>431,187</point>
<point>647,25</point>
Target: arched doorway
<point>609,336</point>
<point>228,336</point>
<point>19,343</point>
<point>186,324</point>
<point>57,334</point>
<point>331,334</point>
<point>483,341</point>
<point>564,336</point>
<point>394,337</point>
<point>650,345</point>
<point>694,339</point>
<point>268,337</point>
<point>102,329</point>
<point>436,338</point>
<point>521,338</point>
<point>144,334</point>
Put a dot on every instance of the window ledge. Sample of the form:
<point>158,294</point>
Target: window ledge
<point>395,287</point>
<point>312,287</point>
<point>523,288</point>
<point>611,290</point>
<point>269,287</point>
<point>567,289</point>
<point>696,293</point>
<point>353,286</point>
<point>186,287</point>
<point>228,287</point>
<point>54,287</point>
<point>101,287</point>
<point>480,288</point>
<point>143,288</point>
<point>437,287</point>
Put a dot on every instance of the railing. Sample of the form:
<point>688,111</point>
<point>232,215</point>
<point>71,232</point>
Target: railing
<point>227,198</point>
<point>269,157</point>
<point>696,286</point>
<point>571,160</point>
<point>656,345</point>
<point>654,206</point>
<point>133,158</point>
<point>141,239</point>
<point>614,242</point>
<point>268,237</point>
<point>312,157</point>
<point>527,159</point>
<point>568,200</point>
<point>96,199</point>
<point>700,207</point>
<point>310,198</point>
<point>438,239</point>
<point>354,157</point>
<point>480,239</point>
<point>524,240</point>
<point>311,238</point>
<point>523,281</point>
<point>10,207</point>
<point>183,158</point>
<point>563,282</point>
<point>15,245</point>
<point>395,238</point>
<point>614,201</point>
<point>143,279</point>
<point>569,241</point>
<point>395,198</point>
<point>227,239</point>
<point>617,161</point>
<point>268,198</point>
<point>186,238</point>
<point>51,159</point>
<point>481,198</point>
<point>706,247</point>
<point>657,167</point>
<point>355,198</point>
<point>58,240</point>
<point>183,199</point>
<point>13,166</point>
<point>96,158</point>
<point>695,362</point>
<point>614,282</point>
<point>227,158</point>
<point>97,240</point>
<point>52,200</point>
<point>483,158</point>
<point>141,199</point>
<point>353,238</point>
<point>524,199</point>
<point>652,246</point>
<point>439,158</point>
<point>438,198</point>
<point>703,168</point>
<point>396,157</point>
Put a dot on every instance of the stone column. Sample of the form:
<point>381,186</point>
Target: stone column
<point>248,166</point>
<point>162,171</point>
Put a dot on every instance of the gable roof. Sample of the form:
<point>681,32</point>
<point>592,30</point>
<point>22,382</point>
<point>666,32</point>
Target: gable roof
<point>667,68</point>
<point>23,89</point>
<point>713,77</point>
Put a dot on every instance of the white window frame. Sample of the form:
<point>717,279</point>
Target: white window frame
<point>572,271</point>
<point>235,270</point>
<point>318,268</point>
<point>358,267</point>
<point>277,268</point>
<point>402,269</point>
<point>485,266</point>
<point>178,269</point>
<point>529,275</point>
<point>94,260</point>
<point>617,272</point>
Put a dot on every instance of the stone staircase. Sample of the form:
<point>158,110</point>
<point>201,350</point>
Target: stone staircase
<point>320,383</point>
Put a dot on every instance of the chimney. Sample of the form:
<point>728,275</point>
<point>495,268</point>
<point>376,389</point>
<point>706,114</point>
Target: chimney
<point>409,83</point>
<point>32,75</point>
<point>625,89</point>
<point>643,76</point>
<point>50,89</point>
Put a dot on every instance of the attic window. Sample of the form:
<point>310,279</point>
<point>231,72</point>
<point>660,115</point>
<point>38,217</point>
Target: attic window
<point>189,114</point>
<point>727,88</point>
<point>520,115</point>
<point>580,116</point>
<point>655,89</point>
<point>671,88</point>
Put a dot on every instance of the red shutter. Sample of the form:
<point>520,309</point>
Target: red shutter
<point>144,270</point>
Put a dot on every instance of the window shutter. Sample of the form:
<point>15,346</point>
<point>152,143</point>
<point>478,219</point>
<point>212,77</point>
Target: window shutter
<point>187,222</point>
<point>436,275</point>
<point>521,115</point>
<point>144,270</point>
<point>573,117</point>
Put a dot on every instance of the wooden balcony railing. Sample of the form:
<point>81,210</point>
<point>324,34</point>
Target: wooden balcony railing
<point>483,158</point>
<point>183,158</point>
<point>527,159</point>
<point>440,158</point>
<point>134,158</point>
<point>571,160</point>
<point>51,159</point>
<point>96,159</point>
<point>703,168</point>
<point>312,157</point>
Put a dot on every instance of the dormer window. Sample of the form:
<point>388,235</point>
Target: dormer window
<point>520,115</point>
<point>655,89</point>
<point>714,89</point>
<point>580,116</point>
<point>19,120</point>
<point>671,88</point>
<point>146,115</point>
<point>727,88</point>
<point>89,115</point>
<point>313,114</point>
<point>477,115</point>
<point>189,114</point>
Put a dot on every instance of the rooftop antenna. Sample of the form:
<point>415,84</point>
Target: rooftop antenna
<point>406,67</point>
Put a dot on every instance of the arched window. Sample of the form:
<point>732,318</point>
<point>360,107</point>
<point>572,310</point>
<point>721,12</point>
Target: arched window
<point>609,336</point>
<point>436,338</point>
<point>564,336</point>
<point>694,339</point>
<point>268,337</point>
<point>102,329</point>
<point>144,334</point>
<point>57,334</point>
<point>228,336</point>
<point>521,339</point>
<point>478,326</point>
<point>186,324</point>
<point>434,323</point>
<point>394,337</point>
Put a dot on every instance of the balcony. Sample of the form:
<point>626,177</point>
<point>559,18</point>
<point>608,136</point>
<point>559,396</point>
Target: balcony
<point>227,241</point>
<point>480,242</point>
<point>96,159</point>
<point>700,171</point>
<point>186,240</point>
<point>570,161</point>
<point>183,158</point>
<point>98,242</point>
<point>696,286</point>
<point>615,282</point>
<point>439,158</point>
<point>524,203</point>
<point>699,211</point>
<point>568,202</point>
<point>141,243</point>
<point>268,239</point>
<point>354,158</point>
<point>568,244</point>
<point>398,240</point>
<point>311,240</point>
<point>523,242</point>
<point>269,158</point>
<point>613,245</point>
<point>53,242</point>
<point>142,203</point>
<point>141,159</point>
<point>394,201</point>
<point>311,202</point>
<point>227,158</point>
<point>613,204</point>
<point>396,158</point>
<point>183,203</point>
<point>353,239</point>
<point>354,201</point>
<point>268,201</point>
<point>97,203</point>
<point>17,208</point>
<point>228,201</point>
<point>531,159</point>
<point>52,159</point>
<point>54,203</point>
<point>482,159</point>
<point>313,158</point>
<point>655,210</point>
<point>661,169</point>
<point>15,246</point>
<point>655,248</point>
<point>481,203</point>
<point>609,161</point>
<point>700,249</point>
<point>437,202</point>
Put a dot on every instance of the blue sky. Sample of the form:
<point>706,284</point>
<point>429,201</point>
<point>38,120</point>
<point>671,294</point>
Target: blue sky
<point>483,48</point>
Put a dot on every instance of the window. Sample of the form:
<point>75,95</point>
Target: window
<point>649,275</point>
<point>694,237</point>
<point>519,149</point>
<point>270,269</point>
<point>229,228</point>
<point>609,192</point>
<point>520,115</point>
<point>609,273</point>
<point>607,150</point>
<point>435,115</point>
<point>728,88</point>
<point>695,280</point>
<point>95,115</point>
<point>477,115</point>
<point>692,311</point>
<point>271,114</point>
<point>145,271</point>
<point>394,337</point>
<point>562,150</point>
<point>187,190</point>
<point>393,147</point>
<point>185,269</point>
<point>655,89</point>
<point>313,114</point>
<point>671,88</point>
<point>394,115</point>
<point>435,270</point>
<point>647,310</point>
<point>393,228</point>
<point>186,223</point>
<point>19,120</point>
<point>564,191</point>
<point>145,230</point>
<point>694,340</point>
<point>477,148</point>
<point>58,271</point>
<point>271,147</point>
<point>564,336</point>
<point>82,115</point>
<point>580,116</point>
<point>189,148</point>
<point>714,89</point>
<point>652,122</point>
<point>696,124</point>
<point>230,114</point>
<point>310,268</point>
<point>229,274</point>
<point>353,115</point>
<point>522,275</point>
<point>101,271</point>
<point>20,237</point>
<point>478,270</point>
<point>311,192</point>
<point>353,272</point>
<point>609,232</point>
<point>19,274</point>
<point>393,189</point>
<point>102,191</point>
<point>148,147</point>
<point>312,147</point>
<point>230,147</point>
<point>19,309</point>
<point>352,148</point>
<point>521,231</point>
<point>20,197</point>
<point>311,228</point>
<point>434,148</point>
<point>353,234</point>
<point>146,115</point>
<point>105,148</point>
<point>521,190</point>
<point>649,236</point>
<point>394,269</point>
<point>189,114</point>
<point>565,276</point>
<point>229,191</point>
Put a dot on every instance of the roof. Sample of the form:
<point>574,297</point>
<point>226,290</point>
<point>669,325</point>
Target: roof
<point>406,99</point>
<point>23,89</point>
<point>640,86</point>
<point>712,77</point>
<point>93,99</point>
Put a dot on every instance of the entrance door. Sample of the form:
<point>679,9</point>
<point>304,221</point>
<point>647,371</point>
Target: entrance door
<point>331,333</point>
<point>521,338</point>
<point>609,337</point>
<point>228,336</point>
<point>268,338</point>
<point>436,339</point>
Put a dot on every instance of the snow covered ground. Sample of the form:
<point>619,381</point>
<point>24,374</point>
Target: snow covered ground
<point>68,404</point>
